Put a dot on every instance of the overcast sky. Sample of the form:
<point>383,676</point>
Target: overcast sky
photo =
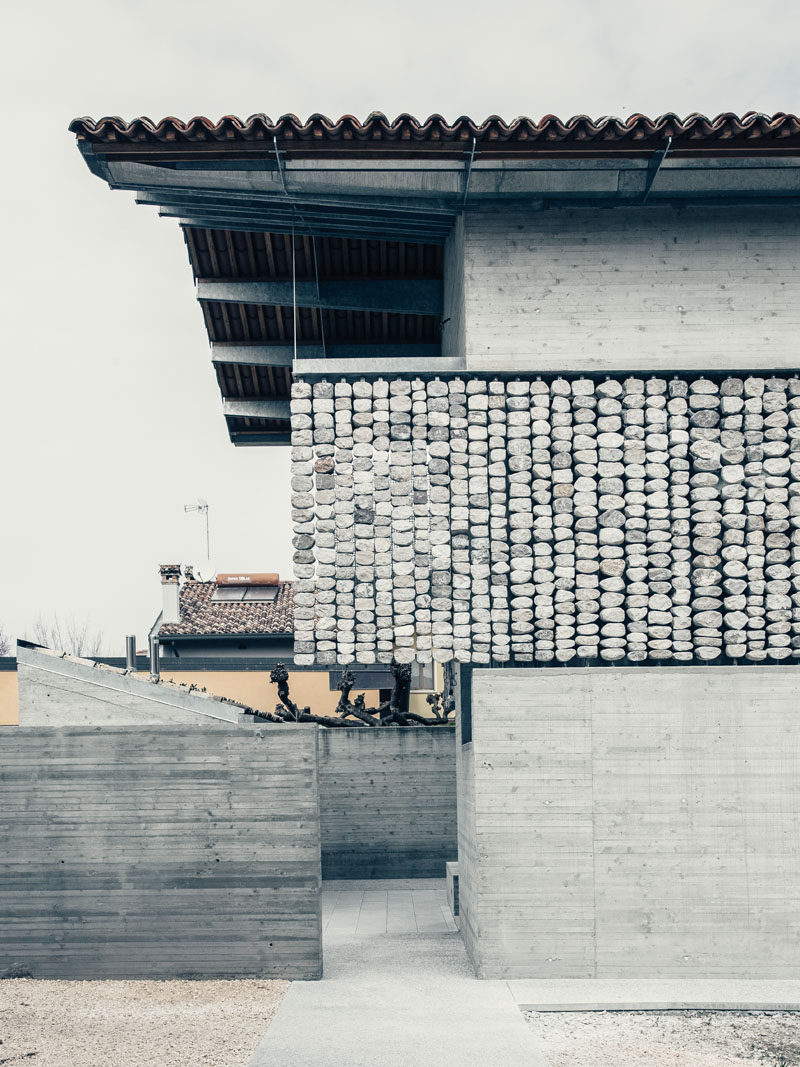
<point>109,411</point>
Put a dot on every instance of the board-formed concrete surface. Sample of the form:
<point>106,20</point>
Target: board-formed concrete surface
<point>160,852</point>
<point>632,823</point>
<point>56,689</point>
<point>387,802</point>
<point>397,991</point>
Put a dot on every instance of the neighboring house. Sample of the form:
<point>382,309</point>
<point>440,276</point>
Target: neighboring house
<point>226,635</point>
<point>8,691</point>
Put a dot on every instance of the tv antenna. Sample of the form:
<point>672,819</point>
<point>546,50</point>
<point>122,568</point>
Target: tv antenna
<point>202,507</point>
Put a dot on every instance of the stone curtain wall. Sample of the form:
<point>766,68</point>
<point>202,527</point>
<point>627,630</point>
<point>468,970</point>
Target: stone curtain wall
<point>550,522</point>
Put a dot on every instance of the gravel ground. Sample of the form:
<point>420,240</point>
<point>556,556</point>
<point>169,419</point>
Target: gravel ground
<point>668,1038</point>
<point>133,1024</point>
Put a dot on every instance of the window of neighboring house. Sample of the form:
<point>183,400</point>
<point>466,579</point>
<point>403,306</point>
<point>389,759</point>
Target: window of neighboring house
<point>423,676</point>
<point>237,593</point>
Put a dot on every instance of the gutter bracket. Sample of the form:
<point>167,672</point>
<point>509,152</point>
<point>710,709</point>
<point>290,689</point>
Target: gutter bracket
<point>467,175</point>
<point>653,167</point>
<point>280,165</point>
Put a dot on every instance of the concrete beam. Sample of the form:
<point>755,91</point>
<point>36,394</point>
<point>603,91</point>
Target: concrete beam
<point>256,409</point>
<point>402,296</point>
<point>258,355</point>
<point>255,440</point>
<point>376,368</point>
<point>283,355</point>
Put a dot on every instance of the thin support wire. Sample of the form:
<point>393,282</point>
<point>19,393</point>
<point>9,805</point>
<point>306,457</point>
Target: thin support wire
<point>319,299</point>
<point>294,295</point>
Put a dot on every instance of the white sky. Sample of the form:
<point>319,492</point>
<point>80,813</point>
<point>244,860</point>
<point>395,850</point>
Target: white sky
<point>109,410</point>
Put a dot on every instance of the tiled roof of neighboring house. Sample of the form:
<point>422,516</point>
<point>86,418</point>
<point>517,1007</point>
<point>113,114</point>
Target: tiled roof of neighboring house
<point>203,617</point>
<point>696,134</point>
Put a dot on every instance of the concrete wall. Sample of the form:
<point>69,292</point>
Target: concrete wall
<point>387,802</point>
<point>632,289</point>
<point>634,822</point>
<point>467,834</point>
<point>453,338</point>
<point>60,690</point>
<point>160,852</point>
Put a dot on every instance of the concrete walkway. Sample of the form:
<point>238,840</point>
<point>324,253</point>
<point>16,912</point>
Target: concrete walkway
<point>397,991</point>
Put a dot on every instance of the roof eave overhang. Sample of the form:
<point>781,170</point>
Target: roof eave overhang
<point>168,638</point>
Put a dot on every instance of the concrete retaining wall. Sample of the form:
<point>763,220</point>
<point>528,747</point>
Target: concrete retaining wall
<point>633,822</point>
<point>60,690</point>
<point>160,852</point>
<point>387,802</point>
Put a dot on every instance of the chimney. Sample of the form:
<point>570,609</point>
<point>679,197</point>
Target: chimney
<point>170,592</point>
<point>130,652</point>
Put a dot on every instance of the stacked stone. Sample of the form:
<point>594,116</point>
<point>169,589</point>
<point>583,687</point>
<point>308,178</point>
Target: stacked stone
<point>335,524</point>
<point>424,428</point>
<point>584,499</point>
<point>512,561</point>
<point>601,618</point>
<point>777,554</point>
<point>402,521</point>
<point>660,616</point>
<point>365,631</point>
<point>499,430</point>
<point>422,492</point>
<point>629,468</point>
<point>708,471</point>
<point>563,530</point>
<point>754,506</point>
<point>512,495</point>
<point>488,521</point>
<point>793,436</point>
<point>322,501</point>
<point>739,466</point>
<point>303,522</point>
<point>535,465</point>
<point>456,479</point>
<point>382,495</point>
<point>680,514</point>
<point>444,535</point>
<point>478,517</point>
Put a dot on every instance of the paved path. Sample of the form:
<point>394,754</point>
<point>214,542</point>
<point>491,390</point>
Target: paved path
<point>397,991</point>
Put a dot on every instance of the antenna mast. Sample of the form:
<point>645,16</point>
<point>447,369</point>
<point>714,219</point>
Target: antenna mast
<point>202,506</point>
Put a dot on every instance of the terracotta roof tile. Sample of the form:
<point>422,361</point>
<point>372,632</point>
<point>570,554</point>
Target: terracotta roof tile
<point>202,616</point>
<point>696,133</point>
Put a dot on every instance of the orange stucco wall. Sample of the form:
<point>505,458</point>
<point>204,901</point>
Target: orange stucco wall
<point>306,688</point>
<point>9,712</point>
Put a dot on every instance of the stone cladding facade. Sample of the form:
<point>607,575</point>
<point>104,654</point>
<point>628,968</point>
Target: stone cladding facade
<point>524,521</point>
